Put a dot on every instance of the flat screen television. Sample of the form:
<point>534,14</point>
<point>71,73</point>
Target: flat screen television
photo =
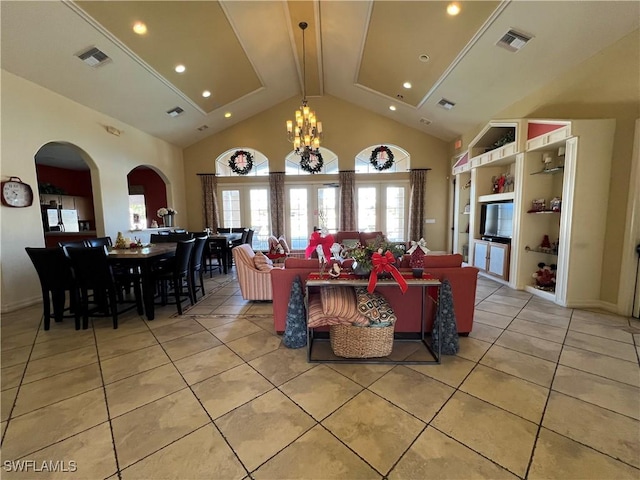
<point>496,220</point>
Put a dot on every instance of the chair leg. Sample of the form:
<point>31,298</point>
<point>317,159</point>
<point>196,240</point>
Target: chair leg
<point>201,273</point>
<point>58,299</point>
<point>114,307</point>
<point>137,292</point>
<point>177,289</point>
<point>46,308</point>
<point>85,308</point>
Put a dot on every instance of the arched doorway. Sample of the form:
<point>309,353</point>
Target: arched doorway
<point>65,192</point>
<point>147,194</point>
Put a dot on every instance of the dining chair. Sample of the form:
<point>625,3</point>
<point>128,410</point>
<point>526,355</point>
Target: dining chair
<point>73,243</point>
<point>54,273</point>
<point>249,239</point>
<point>170,237</point>
<point>224,230</point>
<point>174,273</point>
<point>99,242</point>
<point>92,272</point>
<point>215,249</point>
<point>196,267</point>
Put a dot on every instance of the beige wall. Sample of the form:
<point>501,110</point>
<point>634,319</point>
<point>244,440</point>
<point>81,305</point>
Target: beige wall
<point>348,129</point>
<point>33,116</point>
<point>605,86</point>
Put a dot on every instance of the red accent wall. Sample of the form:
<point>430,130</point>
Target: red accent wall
<point>537,129</point>
<point>73,182</point>
<point>155,190</point>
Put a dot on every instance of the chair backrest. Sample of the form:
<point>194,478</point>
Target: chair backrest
<point>183,256</point>
<point>238,229</point>
<point>224,230</point>
<point>198,251</point>
<point>52,267</point>
<point>74,243</point>
<point>179,230</point>
<point>249,239</point>
<point>170,237</point>
<point>243,255</point>
<point>90,267</point>
<point>99,242</point>
<point>245,234</point>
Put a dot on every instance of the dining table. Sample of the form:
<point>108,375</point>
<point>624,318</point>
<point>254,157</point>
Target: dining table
<point>144,258</point>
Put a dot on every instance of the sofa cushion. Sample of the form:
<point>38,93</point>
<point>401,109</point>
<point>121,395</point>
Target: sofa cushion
<point>369,238</point>
<point>442,261</point>
<point>317,317</point>
<point>339,301</point>
<point>375,307</point>
<point>262,262</point>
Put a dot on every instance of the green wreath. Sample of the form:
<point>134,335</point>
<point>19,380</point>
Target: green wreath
<point>375,161</point>
<point>239,169</point>
<point>305,163</point>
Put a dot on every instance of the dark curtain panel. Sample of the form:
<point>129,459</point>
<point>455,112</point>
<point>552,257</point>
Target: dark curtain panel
<point>276,185</point>
<point>418,183</point>
<point>348,220</point>
<point>210,217</point>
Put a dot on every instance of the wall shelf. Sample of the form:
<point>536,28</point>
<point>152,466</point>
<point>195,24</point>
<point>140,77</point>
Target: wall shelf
<point>497,197</point>
<point>549,171</point>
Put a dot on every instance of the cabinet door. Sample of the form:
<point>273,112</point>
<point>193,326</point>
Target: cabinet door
<point>480,252</point>
<point>84,206</point>
<point>499,260</point>
<point>67,202</point>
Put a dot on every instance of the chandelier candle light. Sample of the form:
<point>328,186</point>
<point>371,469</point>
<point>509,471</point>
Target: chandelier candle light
<point>307,131</point>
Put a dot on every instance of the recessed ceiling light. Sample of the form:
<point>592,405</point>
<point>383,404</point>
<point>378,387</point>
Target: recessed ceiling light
<point>180,68</point>
<point>206,94</point>
<point>227,115</point>
<point>392,108</point>
<point>406,84</point>
<point>140,28</point>
<point>424,58</point>
<point>453,9</point>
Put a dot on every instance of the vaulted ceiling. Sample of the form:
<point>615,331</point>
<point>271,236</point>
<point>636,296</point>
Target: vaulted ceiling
<point>249,55</point>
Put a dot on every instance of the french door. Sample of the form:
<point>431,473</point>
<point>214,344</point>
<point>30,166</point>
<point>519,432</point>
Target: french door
<point>383,207</point>
<point>246,206</point>
<point>310,206</point>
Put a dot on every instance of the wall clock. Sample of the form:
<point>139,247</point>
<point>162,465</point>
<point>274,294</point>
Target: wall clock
<point>16,193</point>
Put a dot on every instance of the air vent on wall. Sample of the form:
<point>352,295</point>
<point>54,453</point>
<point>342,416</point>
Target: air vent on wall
<point>174,112</point>
<point>513,41</point>
<point>94,57</point>
<point>425,121</point>
<point>203,128</point>
<point>446,104</point>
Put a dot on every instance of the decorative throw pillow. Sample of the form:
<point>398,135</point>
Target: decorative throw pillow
<point>375,307</point>
<point>283,243</point>
<point>339,301</point>
<point>274,245</point>
<point>262,262</point>
<point>350,242</point>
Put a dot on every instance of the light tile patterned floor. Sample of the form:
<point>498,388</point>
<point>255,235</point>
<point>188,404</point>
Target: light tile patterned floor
<point>536,391</point>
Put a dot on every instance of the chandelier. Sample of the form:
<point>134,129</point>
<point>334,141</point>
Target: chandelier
<point>305,131</point>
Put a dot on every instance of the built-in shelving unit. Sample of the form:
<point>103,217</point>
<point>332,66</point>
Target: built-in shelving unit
<point>567,161</point>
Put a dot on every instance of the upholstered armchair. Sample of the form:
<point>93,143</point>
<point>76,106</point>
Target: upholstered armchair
<point>254,274</point>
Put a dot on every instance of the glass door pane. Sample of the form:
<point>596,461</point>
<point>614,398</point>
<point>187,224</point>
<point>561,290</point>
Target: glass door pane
<point>328,208</point>
<point>259,217</point>
<point>231,208</point>
<point>367,202</point>
<point>299,218</point>
<point>395,214</point>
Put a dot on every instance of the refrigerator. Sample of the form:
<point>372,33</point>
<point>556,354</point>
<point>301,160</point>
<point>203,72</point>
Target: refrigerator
<point>62,220</point>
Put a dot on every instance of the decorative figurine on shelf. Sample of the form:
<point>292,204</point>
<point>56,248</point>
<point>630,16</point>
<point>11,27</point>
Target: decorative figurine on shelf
<point>154,224</point>
<point>509,183</point>
<point>322,260</point>
<point>335,270</point>
<point>546,244</point>
<point>545,276</point>
<point>547,159</point>
<point>555,204</point>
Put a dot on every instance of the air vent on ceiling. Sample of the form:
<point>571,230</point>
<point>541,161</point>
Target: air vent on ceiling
<point>513,41</point>
<point>425,121</point>
<point>94,57</point>
<point>446,104</point>
<point>174,112</point>
<point>203,128</point>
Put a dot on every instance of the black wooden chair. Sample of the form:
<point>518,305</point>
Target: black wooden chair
<point>99,242</point>
<point>215,251</point>
<point>170,237</point>
<point>73,243</point>
<point>224,230</point>
<point>197,266</point>
<point>174,275</point>
<point>54,272</point>
<point>92,272</point>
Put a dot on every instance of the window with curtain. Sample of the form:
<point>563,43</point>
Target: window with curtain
<point>383,207</point>
<point>247,206</point>
<point>310,206</point>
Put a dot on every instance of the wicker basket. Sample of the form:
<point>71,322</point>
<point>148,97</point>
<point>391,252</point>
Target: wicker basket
<point>361,342</point>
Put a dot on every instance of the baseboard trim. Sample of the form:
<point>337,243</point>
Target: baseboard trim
<point>12,307</point>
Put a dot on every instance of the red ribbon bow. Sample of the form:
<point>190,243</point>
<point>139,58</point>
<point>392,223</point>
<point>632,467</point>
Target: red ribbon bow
<point>384,263</point>
<point>317,239</point>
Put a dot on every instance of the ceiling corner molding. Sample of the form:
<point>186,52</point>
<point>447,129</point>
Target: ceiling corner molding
<point>465,50</point>
<point>363,42</point>
<point>91,21</point>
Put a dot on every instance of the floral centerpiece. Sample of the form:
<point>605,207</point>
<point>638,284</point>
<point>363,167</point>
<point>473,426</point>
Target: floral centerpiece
<point>377,259</point>
<point>164,211</point>
<point>167,213</point>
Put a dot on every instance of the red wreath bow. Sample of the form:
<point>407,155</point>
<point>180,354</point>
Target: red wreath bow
<point>317,239</point>
<point>384,263</point>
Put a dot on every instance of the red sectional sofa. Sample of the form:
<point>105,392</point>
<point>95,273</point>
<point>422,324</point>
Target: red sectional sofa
<point>407,307</point>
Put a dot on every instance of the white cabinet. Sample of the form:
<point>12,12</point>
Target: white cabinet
<point>491,257</point>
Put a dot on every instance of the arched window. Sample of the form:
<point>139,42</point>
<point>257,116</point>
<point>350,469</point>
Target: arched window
<point>329,163</point>
<point>398,158</point>
<point>242,156</point>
